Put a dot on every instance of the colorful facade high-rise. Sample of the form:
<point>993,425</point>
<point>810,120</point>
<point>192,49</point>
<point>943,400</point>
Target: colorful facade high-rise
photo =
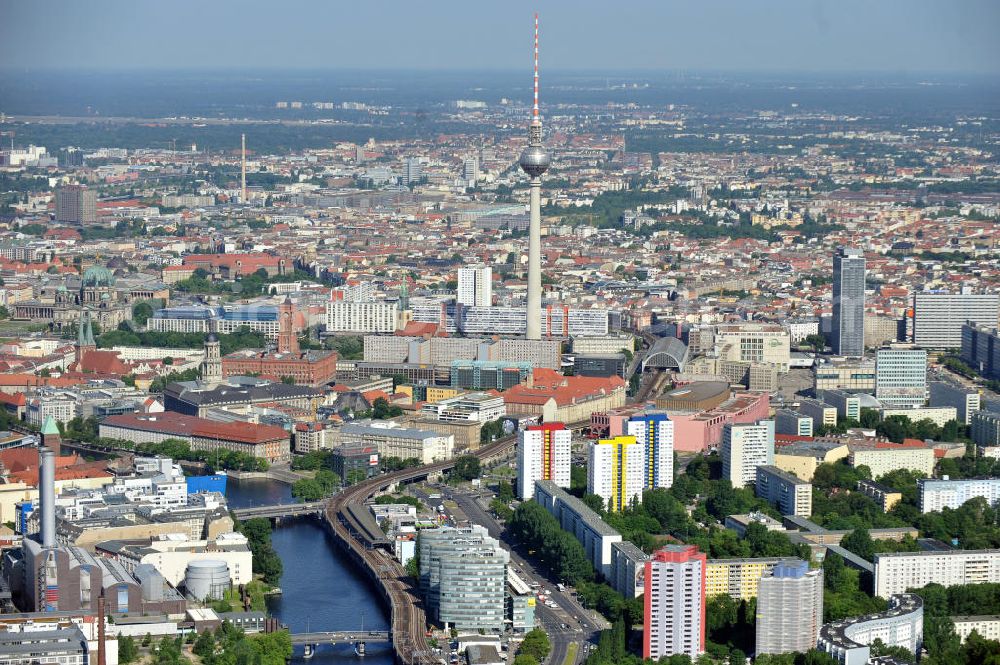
<point>617,471</point>
<point>674,603</point>
<point>543,453</point>
<point>655,431</point>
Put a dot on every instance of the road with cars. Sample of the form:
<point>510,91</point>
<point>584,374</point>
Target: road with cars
<point>568,622</point>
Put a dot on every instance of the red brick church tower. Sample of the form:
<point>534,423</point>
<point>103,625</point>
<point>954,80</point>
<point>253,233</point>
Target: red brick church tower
<point>288,342</point>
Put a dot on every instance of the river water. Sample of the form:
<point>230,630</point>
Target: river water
<point>321,588</point>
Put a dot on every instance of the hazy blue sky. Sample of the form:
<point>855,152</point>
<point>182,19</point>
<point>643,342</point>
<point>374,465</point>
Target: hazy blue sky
<point>809,35</point>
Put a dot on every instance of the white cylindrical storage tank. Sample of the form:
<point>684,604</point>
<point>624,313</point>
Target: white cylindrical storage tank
<point>207,579</point>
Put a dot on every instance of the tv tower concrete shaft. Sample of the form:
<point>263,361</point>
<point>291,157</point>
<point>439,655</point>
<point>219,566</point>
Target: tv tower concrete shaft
<point>535,161</point>
<point>243,168</point>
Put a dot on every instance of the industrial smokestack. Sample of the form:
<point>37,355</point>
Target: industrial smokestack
<point>101,613</point>
<point>47,496</point>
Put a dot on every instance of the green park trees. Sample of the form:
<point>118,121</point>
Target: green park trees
<point>536,645</point>
<point>323,484</point>
<point>266,561</point>
<point>466,467</point>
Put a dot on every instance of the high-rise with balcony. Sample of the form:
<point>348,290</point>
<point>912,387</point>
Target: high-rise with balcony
<point>543,453</point>
<point>789,608</point>
<point>674,603</point>
<point>617,471</point>
<point>745,446</point>
<point>655,431</point>
<point>849,302</point>
<point>475,286</point>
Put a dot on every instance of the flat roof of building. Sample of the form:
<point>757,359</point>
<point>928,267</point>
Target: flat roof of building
<point>783,475</point>
<point>697,391</point>
<point>900,604</point>
<point>892,555</point>
<point>583,512</point>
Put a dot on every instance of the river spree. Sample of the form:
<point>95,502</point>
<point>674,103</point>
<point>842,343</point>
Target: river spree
<point>322,589</point>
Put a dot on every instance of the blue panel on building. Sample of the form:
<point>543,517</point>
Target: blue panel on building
<point>213,483</point>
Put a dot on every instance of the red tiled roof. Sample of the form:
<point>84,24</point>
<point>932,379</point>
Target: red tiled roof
<point>33,380</point>
<point>101,362</point>
<point>20,459</point>
<point>548,383</point>
<point>179,424</point>
<point>17,399</point>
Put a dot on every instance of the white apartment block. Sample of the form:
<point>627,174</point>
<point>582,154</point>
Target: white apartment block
<point>938,317</point>
<point>165,324</point>
<point>387,348</point>
<point>475,286</point>
<point>361,317</point>
<point>229,326</point>
<point>789,493</point>
<point>939,415</point>
<point>540,353</point>
<point>744,448</point>
<point>62,408</point>
<point>557,321</point>
<point>849,640</point>
<point>987,626</point>
<point>889,457</point>
<point>937,494</point>
<point>901,376</point>
<point>603,345</point>
<point>820,412</point>
<point>965,400</point>
<point>754,343</point>
<point>543,453</point>
<point>395,441</point>
<point>477,407</point>
<point>897,572</point>
<point>171,556</point>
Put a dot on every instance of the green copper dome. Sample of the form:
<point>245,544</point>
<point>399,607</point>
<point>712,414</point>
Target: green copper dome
<point>98,276</point>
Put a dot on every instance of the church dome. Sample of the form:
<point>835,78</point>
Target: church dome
<point>98,276</point>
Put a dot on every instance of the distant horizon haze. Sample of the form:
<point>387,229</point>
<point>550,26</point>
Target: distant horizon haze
<point>914,37</point>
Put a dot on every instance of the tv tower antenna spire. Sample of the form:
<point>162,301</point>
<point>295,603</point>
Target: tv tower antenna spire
<point>535,161</point>
<point>534,110</point>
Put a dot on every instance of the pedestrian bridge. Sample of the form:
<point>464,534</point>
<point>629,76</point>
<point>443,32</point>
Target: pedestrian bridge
<point>278,510</point>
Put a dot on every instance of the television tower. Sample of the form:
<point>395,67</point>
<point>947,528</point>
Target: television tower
<point>535,161</point>
<point>243,165</point>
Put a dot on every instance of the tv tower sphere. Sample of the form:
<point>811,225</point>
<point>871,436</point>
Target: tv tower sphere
<point>534,160</point>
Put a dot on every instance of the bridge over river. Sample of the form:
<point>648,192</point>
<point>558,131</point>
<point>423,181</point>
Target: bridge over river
<point>279,510</point>
<point>358,638</point>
